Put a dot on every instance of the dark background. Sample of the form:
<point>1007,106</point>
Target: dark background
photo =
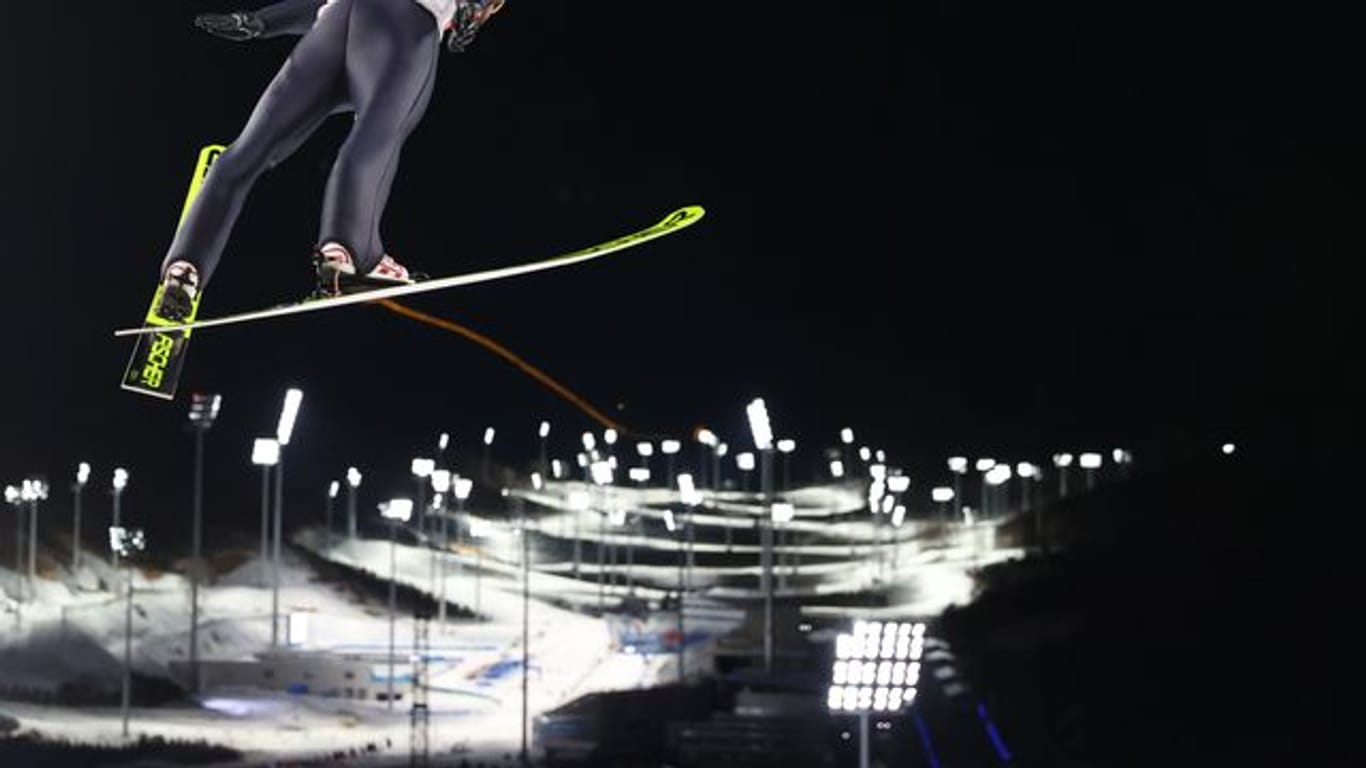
<point>993,228</point>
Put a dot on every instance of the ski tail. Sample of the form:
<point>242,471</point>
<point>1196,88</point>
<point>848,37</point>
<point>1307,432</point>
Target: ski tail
<point>158,357</point>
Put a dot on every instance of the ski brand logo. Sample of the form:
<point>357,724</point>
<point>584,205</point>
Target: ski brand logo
<point>158,357</point>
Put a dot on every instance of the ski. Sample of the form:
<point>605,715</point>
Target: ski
<point>674,222</point>
<point>159,354</point>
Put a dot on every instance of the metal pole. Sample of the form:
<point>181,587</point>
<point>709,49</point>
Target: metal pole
<point>526,624</point>
<point>957,497</point>
<point>863,756</point>
<point>196,538</point>
<point>445,553</point>
<point>393,575</point>
<point>127,650</point>
<point>275,552</point>
<point>682,561</point>
<point>33,549</point>
<point>350,510</point>
<point>327,539</point>
<point>265,523</point>
<point>76,529</point>
<point>766,535</point>
<point>421,505</point>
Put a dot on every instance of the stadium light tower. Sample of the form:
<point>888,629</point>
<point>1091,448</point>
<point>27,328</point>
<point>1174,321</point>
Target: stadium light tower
<point>203,412</point>
<point>15,498</point>
<point>333,488</point>
<point>1090,462</point>
<point>124,544</point>
<point>441,486</point>
<point>353,478</point>
<point>422,469</point>
<point>77,489</point>
<point>397,512</point>
<point>958,465</point>
<point>761,429</point>
<point>265,453</point>
<point>284,430</point>
<point>489,434</point>
<point>120,483</point>
<point>543,434</point>
<point>1062,461</point>
<point>942,495</point>
<point>33,491</point>
<point>876,669</point>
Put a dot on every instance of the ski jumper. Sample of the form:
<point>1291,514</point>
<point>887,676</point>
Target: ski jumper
<point>376,58</point>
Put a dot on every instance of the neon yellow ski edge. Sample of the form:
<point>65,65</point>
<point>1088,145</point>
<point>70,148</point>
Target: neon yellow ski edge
<point>679,219</point>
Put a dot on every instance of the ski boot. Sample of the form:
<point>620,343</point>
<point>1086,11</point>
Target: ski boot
<point>337,275</point>
<point>178,298</point>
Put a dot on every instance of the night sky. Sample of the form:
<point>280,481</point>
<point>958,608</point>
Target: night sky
<point>999,228</point>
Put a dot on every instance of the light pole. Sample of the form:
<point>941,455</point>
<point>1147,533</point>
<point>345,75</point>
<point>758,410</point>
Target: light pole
<point>284,429</point>
<point>333,488</point>
<point>124,544</point>
<point>441,486</point>
<point>1090,462</point>
<point>1123,459</point>
<point>34,491</point>
<point>876,669</point>
<point>543,432</point>
<point>353,478</point>
<point>265,453</point>
<point>397,512</point>
<point>15,498</point>
<point>1062,461</point>
<point>82,475</point>
<point>958,465</point>
<point>744,461</point>
<point>983,466</point>
<point>641,475</point>
<point>786,447</point>
<point>203,411</point>
<point>463,487</point>
<point>762,432</point>
<point>120,483</point>
<point>519,509</point>
<point>1029,475</point>
<point>846,445</point>
<point>942,495</point>
<point>996,478</point>
<point>602,475</point>
<point>422,469</point>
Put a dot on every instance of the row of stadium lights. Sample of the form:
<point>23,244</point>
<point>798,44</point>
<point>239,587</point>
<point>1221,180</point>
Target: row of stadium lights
<point>876,667</point>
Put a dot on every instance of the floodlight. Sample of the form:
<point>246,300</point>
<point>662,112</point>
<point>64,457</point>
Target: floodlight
<point>958,464</point>
<point>82,473</point>
<point>670,447</point>
<point>556,469</point>
<point>544,430</point>
<point>639,474</point>
<point>1090,460</point>
<point>787,445</point>
<point>707,437</point>
<point>441,480</point>
<point>332,489</point>
<point>783,512</point>
<point>837,469</point>
<point>589,442</point>
<point>423,467</point>
<point>898,483</point>
<point>609,436</point>
<point>353,477</point>
<point>265,452</point>
<point>463,487</point>
<point>941,494</point>
<point>847,436</point>
<point>745,461</point>
<point>537,481</point>
<point>288,413</point>
<point>602,472</point>
<point>1062,460</point>
<point>759,425</point>
<point>998,474</point>
<point>120,479</point>
<point>646,450</point>
<point>398,510</point>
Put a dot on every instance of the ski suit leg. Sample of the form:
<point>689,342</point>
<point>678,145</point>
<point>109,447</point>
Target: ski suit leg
<point>391,58</point>
<point>309,87</point>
